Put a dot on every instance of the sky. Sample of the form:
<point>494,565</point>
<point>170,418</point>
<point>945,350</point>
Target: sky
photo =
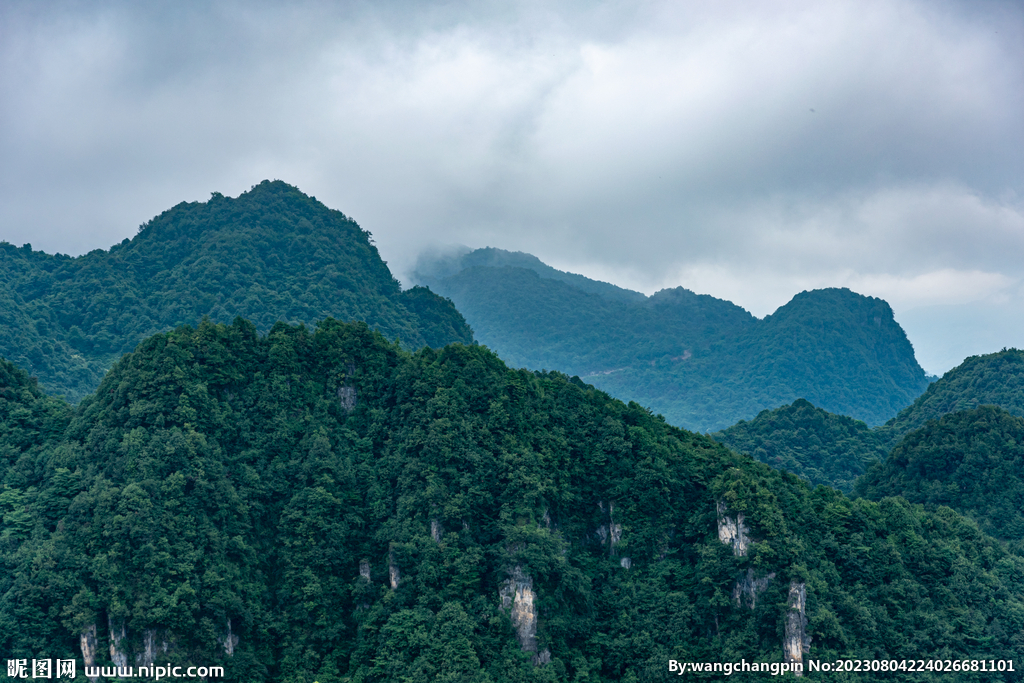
<point>748,150</point>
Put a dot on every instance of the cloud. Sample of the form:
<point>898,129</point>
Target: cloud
<point>742,150</point>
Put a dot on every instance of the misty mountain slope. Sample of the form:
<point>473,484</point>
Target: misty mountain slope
<point>525,317</point>
<point>702,362</point>
<point>430,270</point>
<point>323,505</point>
<point>270,254</point>
<point>812,443</point>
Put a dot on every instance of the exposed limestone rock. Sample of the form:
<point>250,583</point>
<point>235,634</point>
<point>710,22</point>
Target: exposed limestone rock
<point>436,530</point>
<point>517,594</point>
<point>364,576</point>
<point>394,576</point>
<point>150,648</point>
<point>625,563</point>
<point>347,398</point>
<point>732,530</point>
<point>745,592</point>
<point>796,642</point>
<point>615,532</point>
<point>118,655</point>
<point>88,641</point>
<point>610,533</point>
<point>666,543</point>
<point>230,641</point>
<point>614,529</point>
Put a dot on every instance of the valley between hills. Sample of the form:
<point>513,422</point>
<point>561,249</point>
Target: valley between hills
<point>235,440</point>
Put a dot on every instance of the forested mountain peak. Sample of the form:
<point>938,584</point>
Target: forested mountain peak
<point>681,298</point>
<point>840,301</point>
<point>270,254</point>
<point>273,224</point>
<point>701,361</point>
<point>431,269</point>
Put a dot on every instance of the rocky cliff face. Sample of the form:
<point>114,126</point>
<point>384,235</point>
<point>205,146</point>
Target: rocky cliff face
<point>746,590</point>
<point>230,641</point>
<point>517,595</point>
<point>89,641</point>
<point>394,575</point>
<point>610,533</point>
<point>796,642</point>
<point>153,643</point>
<point>732,530</point>
<point>118,633</point>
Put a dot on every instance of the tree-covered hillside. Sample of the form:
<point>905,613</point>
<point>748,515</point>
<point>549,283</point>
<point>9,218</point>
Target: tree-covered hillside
<point>702,362</point>
<point>812,443</point>
<point>29,419</point>
<point>971,460</point>
<point>325,505</point>
<point>527,318</point>
<point>992,379</point>
<point>271,254</point>
<point>832,449</point>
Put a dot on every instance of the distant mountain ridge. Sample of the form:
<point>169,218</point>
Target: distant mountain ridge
<point>430,271</point>
<point>703,362</point>
<point>270,254</point>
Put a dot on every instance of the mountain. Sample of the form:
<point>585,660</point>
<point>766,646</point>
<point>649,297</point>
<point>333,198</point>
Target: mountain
<point>431,270</point>
<point>812,443</point>
<point>270,254</point>
<point>325,505</point>
<point>702,362</point>
<point>992,379</point>
<point>830,449</point>
<point>29,419</point>
<point>970,460</point>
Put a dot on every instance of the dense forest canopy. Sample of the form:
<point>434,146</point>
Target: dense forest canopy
<point>812,443</point>
<point>991,379</point>
<point>834,450</point>
<point>970,460</point>
<point>326,505</point>
<point>270,254</point>
<point>702,362</point>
